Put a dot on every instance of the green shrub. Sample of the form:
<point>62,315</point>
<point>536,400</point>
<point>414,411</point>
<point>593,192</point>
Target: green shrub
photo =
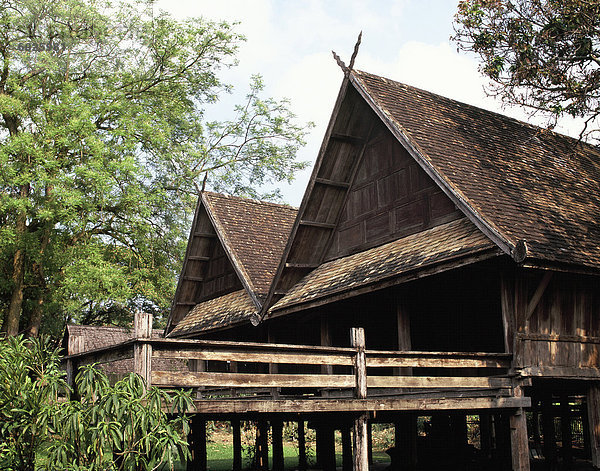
<point>120,427</point>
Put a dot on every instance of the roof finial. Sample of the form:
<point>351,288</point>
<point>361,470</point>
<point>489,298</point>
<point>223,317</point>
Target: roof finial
<point>340,62</point>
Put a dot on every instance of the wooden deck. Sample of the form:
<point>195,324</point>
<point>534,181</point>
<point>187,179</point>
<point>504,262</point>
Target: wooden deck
<point>246,377</point>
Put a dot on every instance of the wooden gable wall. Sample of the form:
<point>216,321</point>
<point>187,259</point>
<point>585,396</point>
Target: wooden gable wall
<point>391,197</point>
<point>207,271</point>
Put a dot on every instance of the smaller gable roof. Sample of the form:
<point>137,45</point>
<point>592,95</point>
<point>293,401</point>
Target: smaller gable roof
<point>94,337</point>
<point>393,260</point>
<point>254,234</point>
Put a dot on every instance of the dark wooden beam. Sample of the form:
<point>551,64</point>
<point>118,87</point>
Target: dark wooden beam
<point>325,181</point>
<point>593,410</point>
<point>537,296</point>
<point>198,258</point>
<point>322,225</point>
<point>193,278</point>
<point>237,445</point>
<point>208,235</point>
<point>347,138</point>
<point>304,266</point>
<point>277,441</point>
<point>302,461</point>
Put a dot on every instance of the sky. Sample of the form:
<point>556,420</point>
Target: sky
<point>289,42</point>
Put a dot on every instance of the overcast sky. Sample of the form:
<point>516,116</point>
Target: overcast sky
<point>289,43</point>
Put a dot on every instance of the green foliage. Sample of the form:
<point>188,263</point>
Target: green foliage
<point>104,145</point>
<point>541,54</point>
<point>30,383</point>
<point>110,428</point>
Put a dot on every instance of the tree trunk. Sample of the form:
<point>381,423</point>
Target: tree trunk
<point>13,315</point>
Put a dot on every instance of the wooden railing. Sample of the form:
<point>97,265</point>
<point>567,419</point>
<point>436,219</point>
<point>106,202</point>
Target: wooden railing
<point>243,367</point>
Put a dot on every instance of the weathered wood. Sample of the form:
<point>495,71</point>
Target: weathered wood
<point>370,442</point>
<point>277,441</point>
<point>302,462</point>
<point>507,285</point>
<point>357,340</point>
<point>237,444</point>
<point>262,446</point>
<point>537,296</point>
<point>198,444</point>
<point>485,433</point>
<point>361,445</point>
<point>258,357</point>
<point>327,446</point>
<point>558,338</point>
<point>142,351</point>
<point>325,342</point>
<point>549,432</point>
<point>436,382</point>
<point>250,380</point>
<point>243,406</point>
<point>562,372</point>
<point>519,442</point>
<point>593,411</point>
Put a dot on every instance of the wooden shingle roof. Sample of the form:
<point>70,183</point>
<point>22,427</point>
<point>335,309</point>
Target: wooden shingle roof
<point>525,187</point>
<point>370,268</point>
<point>254,233</point>
<point>234,248</point>
<point>225,311</point>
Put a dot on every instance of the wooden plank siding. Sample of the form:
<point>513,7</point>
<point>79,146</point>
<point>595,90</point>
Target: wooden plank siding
<point>558,325</point>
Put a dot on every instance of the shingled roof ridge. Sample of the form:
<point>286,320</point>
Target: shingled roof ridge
<point>251,200</point>
<point>454,102</point>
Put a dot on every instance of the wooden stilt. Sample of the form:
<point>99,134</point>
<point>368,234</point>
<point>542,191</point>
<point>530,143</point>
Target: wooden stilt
<point>405,442</point>
<point>593,403</point>
<point>549,433</point>
<point>262,445</point>
<point>519,441</point>
<point>237,445</point>
<point>320,446</point>
<point>302,463</point>
<point>503,439</point>
<point>198,444</point>
<point>329,449</point>
<point>277,441</point>
<point>458,433</point>
<point>370,441</point>
<point>361,447</point>
<point>565,429</point>
<point>361,451</point>
<point>346,449</point>
<point>485,434</point>
<point>142,352</point>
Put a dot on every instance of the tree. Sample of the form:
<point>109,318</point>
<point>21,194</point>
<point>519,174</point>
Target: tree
<point>104,145</point>
<point>541,54</point>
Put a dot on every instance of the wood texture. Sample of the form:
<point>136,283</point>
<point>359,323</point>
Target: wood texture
<point>361,443</point>
<point>593,403</point>
<point>142,351</point>
<point>357,340</point>
<point>519,441</point>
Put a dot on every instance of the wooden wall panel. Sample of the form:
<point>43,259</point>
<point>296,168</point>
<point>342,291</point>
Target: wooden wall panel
<point>391,197</point>
<point>563,329</point>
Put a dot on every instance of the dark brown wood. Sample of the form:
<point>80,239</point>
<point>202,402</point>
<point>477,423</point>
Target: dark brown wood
<point>346,449</point>
<point>565,430</point>
<point>262,446</point>
<point>405,441</point>
<point>593,411</point>
<point>537,296</point>
<point>277,442</point>
<point>302,462</point>
<point>237,444</point>
<point>519,441</point>
<point>549,433</point>
<point>325,342</point>
<point>485,429</point>
<point>508,311</point>
<point>198,444</point>
<point>370,442</point>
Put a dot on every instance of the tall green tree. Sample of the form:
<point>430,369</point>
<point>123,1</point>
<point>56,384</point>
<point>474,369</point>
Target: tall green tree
<point>104,145</point>
<point>541,54</point>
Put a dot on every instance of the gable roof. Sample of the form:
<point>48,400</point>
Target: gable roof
<point>533,192</point>
<point>94,337</point>
<point>525,187</point>
<point>235,244</point>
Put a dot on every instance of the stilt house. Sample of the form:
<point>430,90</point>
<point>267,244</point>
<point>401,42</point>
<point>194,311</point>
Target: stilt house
<point>460,247</point>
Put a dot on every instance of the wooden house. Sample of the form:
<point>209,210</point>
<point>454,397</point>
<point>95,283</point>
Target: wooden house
<point>461,248</point>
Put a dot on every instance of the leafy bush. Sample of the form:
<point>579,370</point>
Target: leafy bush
<point>120,427</point>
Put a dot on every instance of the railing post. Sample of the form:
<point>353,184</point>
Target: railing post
<point>75,345</point>
<point>142,352</point>
<point>361,445</point>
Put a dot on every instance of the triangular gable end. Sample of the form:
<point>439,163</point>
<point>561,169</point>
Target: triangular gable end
<point>208,271</point>
<point>367,188</point>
